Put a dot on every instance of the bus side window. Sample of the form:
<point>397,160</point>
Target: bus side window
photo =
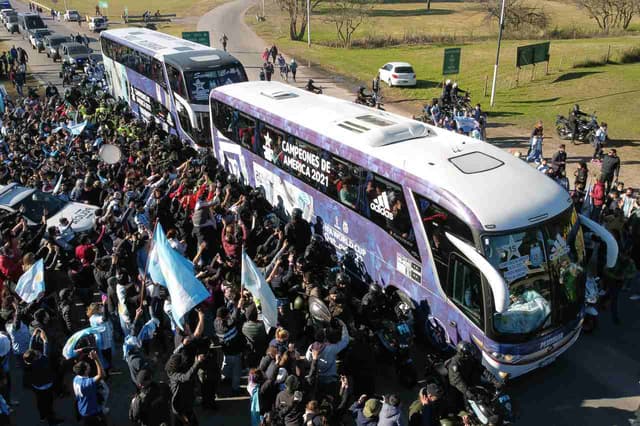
<point>175,80</point>
<point>243,127</point>
<point>465,289</point>
<point>436,221</point>
<point>222,118</point>
<point>387,207</point>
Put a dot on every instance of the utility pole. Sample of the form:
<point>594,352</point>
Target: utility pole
<point>495,67</point>
<point>309,23</point>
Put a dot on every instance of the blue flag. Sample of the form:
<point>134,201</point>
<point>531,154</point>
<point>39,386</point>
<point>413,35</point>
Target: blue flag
<point>168,268</point>
<point>253,280</point>
<point>31,283</point>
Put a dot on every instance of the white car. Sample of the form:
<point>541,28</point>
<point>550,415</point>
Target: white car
<point>398,74</point>
<point>36,38</point>
<point>97,24</point>
<point>72,16</point>
<point>32,202</point>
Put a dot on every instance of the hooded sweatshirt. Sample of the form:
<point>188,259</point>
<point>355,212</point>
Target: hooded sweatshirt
<point>390,415</point>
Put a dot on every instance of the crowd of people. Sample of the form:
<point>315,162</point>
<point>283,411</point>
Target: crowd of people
<point>98,308</point>
<point>13,66</point>
<point>271,59</point>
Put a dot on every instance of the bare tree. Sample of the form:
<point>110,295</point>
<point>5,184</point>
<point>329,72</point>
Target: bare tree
<point>610,14</point>
<point>297,10</point>
<point>518,15</point>
<point>347,16</point>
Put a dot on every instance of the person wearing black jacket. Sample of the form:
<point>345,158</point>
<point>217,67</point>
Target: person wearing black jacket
<point>181,381</point>
<point>150,405</point>
<point>610,168</point>
<point>228,331</point>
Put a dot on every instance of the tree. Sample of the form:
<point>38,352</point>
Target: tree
<point>518,15</point>
<point>297,10</point>
<point>610,14</point>
<point>347,16</point>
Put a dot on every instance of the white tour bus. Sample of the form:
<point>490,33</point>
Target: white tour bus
<point>488,249</point>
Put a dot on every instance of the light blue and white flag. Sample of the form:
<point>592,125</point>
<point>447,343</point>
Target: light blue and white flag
<point>168,268</point>
<point>31,283</point>
<point>76,129</point>
<point>253,280</point>
<point>69,349</point>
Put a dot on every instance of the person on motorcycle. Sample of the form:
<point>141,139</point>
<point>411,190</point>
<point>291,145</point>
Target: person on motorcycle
<point>363,97</point>
<point>574,121</point>
<point>372,305</point>
<point>51,91</point>
<point>447,91</point>
<point>456,92</point>
<point>312,88</point>
<point>465,370</point>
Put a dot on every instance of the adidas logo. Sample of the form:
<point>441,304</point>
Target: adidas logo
<point>381,206</point>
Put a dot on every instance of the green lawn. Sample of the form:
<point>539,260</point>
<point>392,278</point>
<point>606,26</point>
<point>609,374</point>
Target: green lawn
<point>610,90</point>
<point>188,11</point>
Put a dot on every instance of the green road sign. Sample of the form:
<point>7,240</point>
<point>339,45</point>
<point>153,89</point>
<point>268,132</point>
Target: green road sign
<point>532,54</point>
<point>451,63</point>
<point>201,37</point>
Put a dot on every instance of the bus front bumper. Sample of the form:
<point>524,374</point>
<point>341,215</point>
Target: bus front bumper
<point>518,365</point>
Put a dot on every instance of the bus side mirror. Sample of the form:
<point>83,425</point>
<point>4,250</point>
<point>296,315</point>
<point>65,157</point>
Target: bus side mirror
<point>499,287</point>
<point>604,235</point>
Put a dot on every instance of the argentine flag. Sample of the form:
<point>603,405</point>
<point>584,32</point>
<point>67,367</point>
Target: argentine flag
<point>253,280</point>
<point>31,283</point>
<point>168,268</point>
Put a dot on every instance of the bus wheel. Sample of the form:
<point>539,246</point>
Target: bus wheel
<point>437,334</point>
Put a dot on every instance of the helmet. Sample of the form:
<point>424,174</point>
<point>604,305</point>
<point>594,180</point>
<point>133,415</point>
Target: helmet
<point>298,304</point>
<point>310,81</point>
<point>448,82</point>
<point>319,310</point>
<point>576,107</point>
<point>296,213</point>
<point>342,278</point>
<point>375,288</point>
<point>232,179</point>
<point>465,349</point>
<point>316,239</point>
<point>455,85</point>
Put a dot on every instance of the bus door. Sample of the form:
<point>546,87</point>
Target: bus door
<point>460,283</point>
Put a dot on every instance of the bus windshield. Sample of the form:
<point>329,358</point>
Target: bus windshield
<point>200,83</point>
<point>542,266</point>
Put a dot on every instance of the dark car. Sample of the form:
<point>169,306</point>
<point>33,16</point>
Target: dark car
<point>74,54</point>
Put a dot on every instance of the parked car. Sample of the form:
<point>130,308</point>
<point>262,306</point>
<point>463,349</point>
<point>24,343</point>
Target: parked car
<point>51,44</point>
<point>398,74</point>
<point>31,203</point>
<point>11,24</point>
<point>5,4</point>
<point>6,12</point>
<point>97,24</point>
<point>36,38</point>
<point>72,16</point>
<point>30,21</point>
<point>73,53</point>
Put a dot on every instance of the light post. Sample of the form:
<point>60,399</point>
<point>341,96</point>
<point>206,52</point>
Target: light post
<point>495,67</point>
<point>309,23</point>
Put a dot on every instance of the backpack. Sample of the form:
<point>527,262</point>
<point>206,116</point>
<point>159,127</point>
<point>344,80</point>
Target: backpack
<point>138,407</point>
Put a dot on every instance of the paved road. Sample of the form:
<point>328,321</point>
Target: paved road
<point>245,45</point>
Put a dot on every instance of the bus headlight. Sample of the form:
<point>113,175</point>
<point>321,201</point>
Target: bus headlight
<point>503,375</point>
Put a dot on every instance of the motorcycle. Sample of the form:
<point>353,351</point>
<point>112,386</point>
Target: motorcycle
<point>488,405</point>
<point>374,100</point>
<point>591,296</point>
<point>395,335</point>
<point>313,89</point>
<point>586,128</point>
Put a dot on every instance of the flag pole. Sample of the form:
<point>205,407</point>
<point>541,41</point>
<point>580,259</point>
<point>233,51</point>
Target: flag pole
<point>146,266</point>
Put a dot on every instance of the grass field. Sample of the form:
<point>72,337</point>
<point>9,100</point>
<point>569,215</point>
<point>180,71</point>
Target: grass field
<point>188,11</point>
<point>611,90</point>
